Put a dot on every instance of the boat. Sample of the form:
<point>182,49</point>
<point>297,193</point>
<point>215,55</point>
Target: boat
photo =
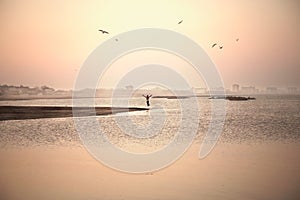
<point>238,98</point>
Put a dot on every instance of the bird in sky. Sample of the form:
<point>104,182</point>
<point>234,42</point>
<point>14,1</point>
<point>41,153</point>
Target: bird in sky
<point>116,40</point>
<point>180,22</point>
<point>221,47</point>
<point>237,39</point>
<point>103,31</point>
<point>213,45</point>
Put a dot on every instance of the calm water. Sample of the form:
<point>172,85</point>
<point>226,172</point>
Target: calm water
<point>267,119</point>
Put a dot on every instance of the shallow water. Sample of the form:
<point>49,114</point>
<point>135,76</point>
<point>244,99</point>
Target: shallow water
<point>267,119</point>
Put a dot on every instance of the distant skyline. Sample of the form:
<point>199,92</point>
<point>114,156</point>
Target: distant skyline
<point>45,42</point>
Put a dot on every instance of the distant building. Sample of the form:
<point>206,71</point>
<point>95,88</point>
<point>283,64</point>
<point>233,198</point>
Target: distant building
<point>235,88</point>
<point>292,90</point>
<point>271,90</point>
<point>217,91</point>
<point>34,91</point>
<point>12,91</point>
<point>248,89</point>
<point>200,90</point>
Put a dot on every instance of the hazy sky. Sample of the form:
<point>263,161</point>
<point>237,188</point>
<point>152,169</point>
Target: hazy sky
<point>45,42</point>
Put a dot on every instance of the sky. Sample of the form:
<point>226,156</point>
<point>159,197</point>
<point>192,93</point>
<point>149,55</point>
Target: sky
<point>45,42</point>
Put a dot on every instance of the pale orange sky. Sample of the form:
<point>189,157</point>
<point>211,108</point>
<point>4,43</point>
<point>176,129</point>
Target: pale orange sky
<point>45,42</point>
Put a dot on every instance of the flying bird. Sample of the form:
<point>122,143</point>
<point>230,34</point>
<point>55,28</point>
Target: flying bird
<point>116,40</point>
<point>213,45</point>
<point>221,47</point>
<point>237,39</point>
<point>180,22</point>
<point>103,32</point>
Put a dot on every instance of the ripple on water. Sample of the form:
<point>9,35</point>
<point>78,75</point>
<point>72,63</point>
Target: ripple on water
<point>267,119</point>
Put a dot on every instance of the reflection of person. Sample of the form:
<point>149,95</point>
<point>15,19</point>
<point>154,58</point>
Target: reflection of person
<point>147,98</point>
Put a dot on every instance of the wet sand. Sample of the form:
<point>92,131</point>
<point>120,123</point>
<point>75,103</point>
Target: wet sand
<point>231,171</point>
<point>36,112</point>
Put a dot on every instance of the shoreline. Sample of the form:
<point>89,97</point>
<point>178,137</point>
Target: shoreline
<point>37,112</point>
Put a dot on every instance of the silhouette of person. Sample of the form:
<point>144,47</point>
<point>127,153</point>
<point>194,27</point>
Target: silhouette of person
<point>147,98</point>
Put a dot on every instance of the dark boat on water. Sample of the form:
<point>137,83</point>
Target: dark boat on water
<point>237,98</point>
<point>233,98</point>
